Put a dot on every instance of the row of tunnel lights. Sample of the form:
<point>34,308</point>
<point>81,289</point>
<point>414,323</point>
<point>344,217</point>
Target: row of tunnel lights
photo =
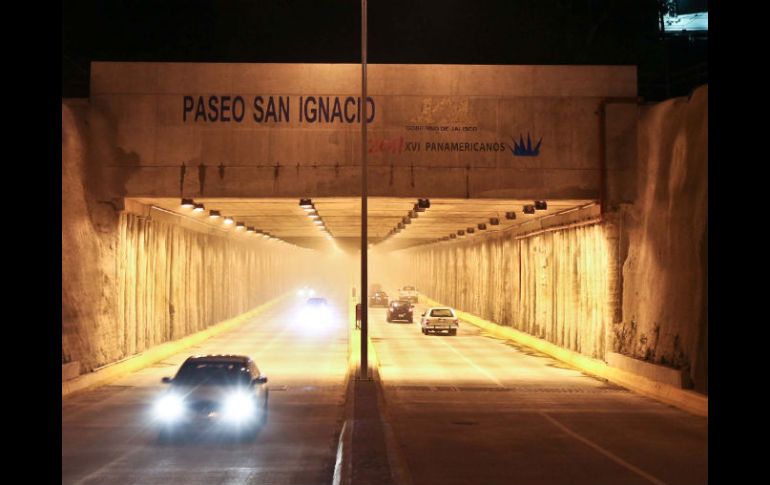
<point>538,205</point>
<point>308,206</point>
<point>198,208</point>
<point>420,206</point>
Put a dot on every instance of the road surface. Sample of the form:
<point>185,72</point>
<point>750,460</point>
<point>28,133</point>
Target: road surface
<point>473,409</point>
<point>107,437</point>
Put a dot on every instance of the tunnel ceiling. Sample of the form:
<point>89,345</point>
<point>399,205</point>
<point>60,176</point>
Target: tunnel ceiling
<point>285,219</point>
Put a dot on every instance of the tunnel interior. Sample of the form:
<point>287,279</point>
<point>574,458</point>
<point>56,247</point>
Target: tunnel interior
<point>542,267</point>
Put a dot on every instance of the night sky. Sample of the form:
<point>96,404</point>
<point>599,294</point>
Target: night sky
<point>425,32</point>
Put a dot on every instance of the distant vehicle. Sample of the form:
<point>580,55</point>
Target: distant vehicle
<point>400,310</point>
<point>408,293</point>
<point>439,319</point>
<point>224,391</point>
<point>316,302</point>
<point>374,288</point>
<point>305,291</point>
<point>379,298</point>
<point>316,314</point>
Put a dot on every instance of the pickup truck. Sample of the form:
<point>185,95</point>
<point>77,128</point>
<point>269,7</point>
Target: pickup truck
<point>408,293</point>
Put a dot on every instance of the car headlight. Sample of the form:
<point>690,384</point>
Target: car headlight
<point>169,407</point>
<point>238,407</point>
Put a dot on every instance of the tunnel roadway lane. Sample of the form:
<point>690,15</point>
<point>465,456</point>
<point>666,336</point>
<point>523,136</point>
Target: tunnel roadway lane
<point>472,409</point>
<point>107,438</point>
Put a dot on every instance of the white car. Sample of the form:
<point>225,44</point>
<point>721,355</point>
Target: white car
<point>439,319</point>
<point>408,293</point>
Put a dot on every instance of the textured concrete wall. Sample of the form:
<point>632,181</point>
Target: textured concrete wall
<point>130,282</point>
<point>554,285</point>
<point>173,281</point>
<point>88,248</point>
<point>665,240</point>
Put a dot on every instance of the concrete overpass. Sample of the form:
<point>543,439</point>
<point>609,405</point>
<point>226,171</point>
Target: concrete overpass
<point>175,129</point>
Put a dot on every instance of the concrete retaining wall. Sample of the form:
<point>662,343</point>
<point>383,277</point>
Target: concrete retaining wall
<point>130,283</point>
<point>554,286</point>
<point>665,241</point>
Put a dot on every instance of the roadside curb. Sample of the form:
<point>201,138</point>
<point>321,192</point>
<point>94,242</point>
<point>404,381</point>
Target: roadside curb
<point>110,372</point>
<point>686,400</point>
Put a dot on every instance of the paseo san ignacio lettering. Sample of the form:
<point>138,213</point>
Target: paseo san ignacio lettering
<point>275,109</point>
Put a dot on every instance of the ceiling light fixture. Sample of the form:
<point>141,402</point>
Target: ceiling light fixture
<point>541,205</point>
<point>482,226</point>
<point>188,203</point>
<point>229,220</point>
<point>494,221</point>
<point>214,214</point>
<point>529,209</point>
<point>240,226</point>
<point>510,215</point>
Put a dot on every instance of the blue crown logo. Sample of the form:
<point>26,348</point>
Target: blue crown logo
<point>522,150</point>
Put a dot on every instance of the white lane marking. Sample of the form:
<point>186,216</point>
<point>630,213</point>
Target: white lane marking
<point>490,376</point>
<point>341,455</point>
<point>104,468</point>
<point>604,452</point>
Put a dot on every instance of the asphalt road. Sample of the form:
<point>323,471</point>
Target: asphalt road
<point>107,436</point>
<point>472,409</point>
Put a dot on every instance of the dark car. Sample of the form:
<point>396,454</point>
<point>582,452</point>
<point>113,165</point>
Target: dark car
<point>316,302</point>
<point>224,391</point>
<point>379,298</point>
<point>400,310</point>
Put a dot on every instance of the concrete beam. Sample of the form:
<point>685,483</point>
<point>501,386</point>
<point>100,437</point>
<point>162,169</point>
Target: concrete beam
<point>437,131</point>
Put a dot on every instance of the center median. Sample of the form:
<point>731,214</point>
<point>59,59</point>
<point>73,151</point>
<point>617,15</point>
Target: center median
<point>368,453</point>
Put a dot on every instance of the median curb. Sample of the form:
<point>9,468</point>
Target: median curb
<point>110,372</point>
<point>690,401</point>
<point>344,468</point>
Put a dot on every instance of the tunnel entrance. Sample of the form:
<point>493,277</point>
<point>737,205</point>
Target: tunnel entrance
<point>547,268</point>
